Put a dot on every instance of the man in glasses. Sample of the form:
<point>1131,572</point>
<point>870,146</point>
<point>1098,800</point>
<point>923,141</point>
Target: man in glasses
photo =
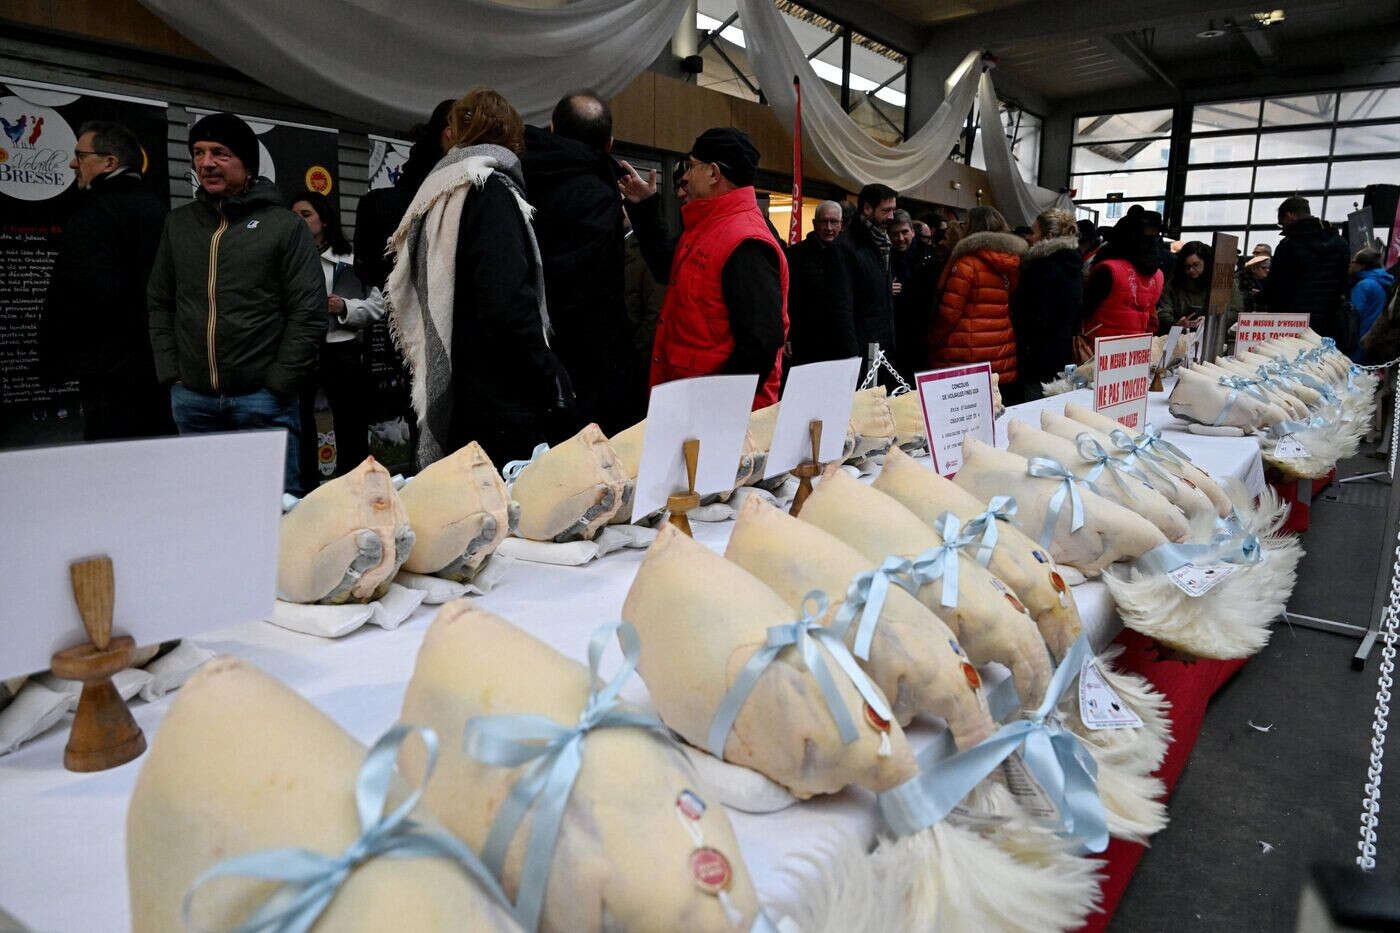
<point>726,298</point>
<point>95,325</point>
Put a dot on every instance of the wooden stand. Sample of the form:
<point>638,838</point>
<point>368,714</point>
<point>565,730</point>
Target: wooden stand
<point>806,472</point>
<point>104,735</point>
<point>678,505</point>
<point>1156,381</point>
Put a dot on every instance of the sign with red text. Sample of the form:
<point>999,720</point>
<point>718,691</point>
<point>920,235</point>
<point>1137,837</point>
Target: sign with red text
<point>1120,388</point>
<point>956,402</point>
<point>1253,329</point>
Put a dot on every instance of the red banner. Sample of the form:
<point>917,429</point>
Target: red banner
<point>795,226</point>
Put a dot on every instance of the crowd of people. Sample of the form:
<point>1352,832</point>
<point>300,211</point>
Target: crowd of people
<point>533,285</point>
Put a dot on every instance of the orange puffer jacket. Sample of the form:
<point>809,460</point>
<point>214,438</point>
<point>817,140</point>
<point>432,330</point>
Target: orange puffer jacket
<point>973,323</point>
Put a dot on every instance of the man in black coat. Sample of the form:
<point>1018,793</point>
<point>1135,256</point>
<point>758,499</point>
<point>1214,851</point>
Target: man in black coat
<point>867,251</point>
<point>914,267</point>
<point>1308,274</point>
<point>820,321</point>
<point>571,181</point>
<point>95,322</point>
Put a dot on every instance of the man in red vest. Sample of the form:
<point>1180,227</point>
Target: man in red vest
<point>727,279</point>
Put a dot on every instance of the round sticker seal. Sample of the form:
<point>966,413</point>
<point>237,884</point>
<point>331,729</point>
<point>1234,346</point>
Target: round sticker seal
<point>318,179</point>
<point>710,870</point>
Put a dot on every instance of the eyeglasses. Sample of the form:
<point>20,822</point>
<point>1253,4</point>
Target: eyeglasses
<point>82,153</point>
<point>691,162</point>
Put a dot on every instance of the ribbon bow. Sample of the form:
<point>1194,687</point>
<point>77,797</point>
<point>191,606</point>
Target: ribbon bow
<point>1138,452</point>
<point>515,467</point>
<point>310,879</point>
<point>1247,385</point>
<point>1071,375</point>
<point>941,560</point>
<point>1046,468</point>
<point>554,755</point>
<point>1000,508</point>
<point>1056,758</point>
<point>1092,452</point>
<point>866,595</point>
<point>1150,442</point>
<point>804,634</point>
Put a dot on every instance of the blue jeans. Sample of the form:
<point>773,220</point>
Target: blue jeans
<point>196,413</point>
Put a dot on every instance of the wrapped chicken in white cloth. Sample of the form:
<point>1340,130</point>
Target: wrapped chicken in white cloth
<point>910,432</point>
<point>245,776</point>
<point>570,491</point>
<point>626,838</point>
<point>735,671</point>
<point>988,619</point>
<point>460,513</point>
<point>872,430</point>
<point>1221,405</point>
<point>345,541</point>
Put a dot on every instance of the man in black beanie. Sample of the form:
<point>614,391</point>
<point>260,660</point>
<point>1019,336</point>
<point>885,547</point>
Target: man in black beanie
<point>236,296</point>
<point>726,297</point>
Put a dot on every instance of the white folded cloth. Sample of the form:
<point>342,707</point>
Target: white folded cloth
<point>738,787</point>
<point>574,553</point>
<point>334,621</point>
<point>437,591</point>
<point>34,710</point>
<point>171,670</point>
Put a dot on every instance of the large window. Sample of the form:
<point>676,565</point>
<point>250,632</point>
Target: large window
<point>1120,159</point>
<point>1248,155</point>
<point>1022,130</point>
<point>873,89</point>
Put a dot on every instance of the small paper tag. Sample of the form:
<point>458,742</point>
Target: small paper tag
<point>1196,580</point>
<point>1254,483</point>
<point>1099,705</point>
<point>1289,448</point>
<point>1026,789</point>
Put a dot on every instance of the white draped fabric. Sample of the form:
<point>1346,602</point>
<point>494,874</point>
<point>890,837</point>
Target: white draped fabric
<point>829,131</point>
<point>391,61</point>
<point>1018,202</point>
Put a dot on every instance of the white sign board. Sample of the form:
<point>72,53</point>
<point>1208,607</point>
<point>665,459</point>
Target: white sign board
<point>190,524</point>
<point>956,402</point>
<point>814,392</point>
<point>711,409</point>
<point>1120,387</point>
<point>1253,329</point>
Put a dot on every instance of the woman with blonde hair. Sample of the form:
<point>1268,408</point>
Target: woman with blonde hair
<point>1046,306</point>
<point>466,296</point>
<point>973,320</point>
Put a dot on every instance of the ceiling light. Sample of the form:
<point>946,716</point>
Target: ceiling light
<point>1269,18</point>
<point>1210,32</point>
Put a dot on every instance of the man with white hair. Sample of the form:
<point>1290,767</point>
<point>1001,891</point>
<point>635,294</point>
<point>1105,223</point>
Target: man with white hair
<point>822,321</point>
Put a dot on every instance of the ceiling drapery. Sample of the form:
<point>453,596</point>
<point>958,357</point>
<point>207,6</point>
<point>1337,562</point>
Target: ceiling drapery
<point>390,61</point>
<point>1018,202</point>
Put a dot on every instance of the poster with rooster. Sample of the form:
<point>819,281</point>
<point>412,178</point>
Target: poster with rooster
<point>39,125</point>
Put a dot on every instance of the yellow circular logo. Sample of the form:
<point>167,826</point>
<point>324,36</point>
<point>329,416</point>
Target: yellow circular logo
<point>4,156</point>
<point>318,179</point>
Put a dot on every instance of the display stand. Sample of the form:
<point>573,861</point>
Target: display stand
<point>1156,381</point>
<point>104,735</point>
<point>807,471</point>
<point>680,504</point>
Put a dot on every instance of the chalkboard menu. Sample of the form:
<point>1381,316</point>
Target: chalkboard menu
<point>38,193</point>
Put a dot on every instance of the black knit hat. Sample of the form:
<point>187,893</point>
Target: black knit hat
<point>228,130</point>
<point>731,149</point>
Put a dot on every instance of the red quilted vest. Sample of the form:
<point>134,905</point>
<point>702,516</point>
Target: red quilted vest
<point>692,335</point>
<point>1131,306</point>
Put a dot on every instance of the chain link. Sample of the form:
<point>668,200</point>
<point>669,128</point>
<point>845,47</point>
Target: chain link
<point>881,361</point>
<point>1371,805</point>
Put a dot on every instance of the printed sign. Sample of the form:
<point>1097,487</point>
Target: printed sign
<point>1254,329</point>
<point>956,402</point>
<point>386,159</point>
<point>1120,389</point>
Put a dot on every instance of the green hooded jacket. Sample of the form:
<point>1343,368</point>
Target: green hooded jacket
<point>236,296</point>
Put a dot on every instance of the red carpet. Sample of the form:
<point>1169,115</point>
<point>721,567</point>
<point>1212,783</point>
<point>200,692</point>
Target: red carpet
<point>1189,688</point>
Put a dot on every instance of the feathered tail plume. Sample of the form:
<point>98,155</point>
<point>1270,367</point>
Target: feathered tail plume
<point>944,878</point>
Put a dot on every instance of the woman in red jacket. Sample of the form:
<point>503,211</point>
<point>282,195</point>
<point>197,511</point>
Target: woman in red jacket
<point>1121,294</point>
<point>973,323</point>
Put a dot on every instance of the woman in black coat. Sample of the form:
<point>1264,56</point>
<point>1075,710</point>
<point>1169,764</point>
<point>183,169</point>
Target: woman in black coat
<point>1045,307</point>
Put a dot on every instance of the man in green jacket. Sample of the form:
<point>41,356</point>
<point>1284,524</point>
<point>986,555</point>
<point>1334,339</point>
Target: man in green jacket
<point>237,297</point>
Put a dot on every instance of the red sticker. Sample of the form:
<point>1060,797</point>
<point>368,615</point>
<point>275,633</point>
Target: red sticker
<point>690,804</point>
<point>1058,582</point>
<point>710,870</point>
<point>872,717</point>
<point>974,680</point>
<point>1015,602</point>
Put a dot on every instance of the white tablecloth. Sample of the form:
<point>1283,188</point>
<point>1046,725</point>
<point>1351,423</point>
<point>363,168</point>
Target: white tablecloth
<point>62,866</point>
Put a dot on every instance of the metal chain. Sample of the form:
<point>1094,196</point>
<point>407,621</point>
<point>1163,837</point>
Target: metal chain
<point>1394,428</point>
<point>874,373</point>
<point>1371,806</point>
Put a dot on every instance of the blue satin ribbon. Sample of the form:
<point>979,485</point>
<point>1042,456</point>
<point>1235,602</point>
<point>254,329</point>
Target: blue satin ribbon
<point>1092,452</point>
<point>1071,375</point>
<point>1000,508</point>
<point>1141,453</point>
<point>1227,546</point>
<point>804,634</point>
<point>866,596</point>
<point>1352,372</point>
<point>1293,427</point>
<point>1055,756</point>
<point>514,468</point>
<point>941,560</point>
<point>1152,442</point>
<point>1046,468</point>
<point>310,879</point>
<point>554,755</point>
